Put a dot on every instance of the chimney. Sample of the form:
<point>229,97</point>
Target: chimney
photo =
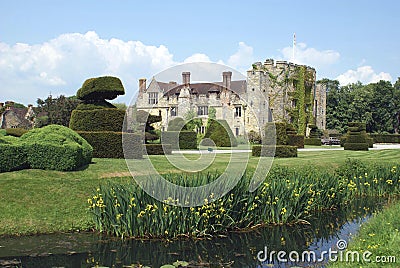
<point>142,84</point>
<point>186,78</point>
<point>226,79</point>
<point>30,105</point>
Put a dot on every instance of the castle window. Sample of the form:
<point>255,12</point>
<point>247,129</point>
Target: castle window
<point>237,131</point>
<point>251,103</point>
<point>202,110</point>
<point>252,89</point>
<point>174,111</point>
<point>238,111</point>
<point>153,98</point>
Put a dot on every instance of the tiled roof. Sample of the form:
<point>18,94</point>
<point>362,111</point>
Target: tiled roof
<point>239,87</point>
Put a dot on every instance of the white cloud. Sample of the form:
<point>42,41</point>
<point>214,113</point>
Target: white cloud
<point>197,57</point>
<point>243,58</point>
<point>62,64</point>
<point>364,74</point>
<point>310,56</point>
<point>59,66</point>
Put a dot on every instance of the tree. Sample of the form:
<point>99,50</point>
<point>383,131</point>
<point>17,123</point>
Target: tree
<point>58,110</point>
<point>192,121</point>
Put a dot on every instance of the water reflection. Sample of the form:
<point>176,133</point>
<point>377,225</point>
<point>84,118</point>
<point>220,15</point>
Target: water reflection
<point>234,250</point>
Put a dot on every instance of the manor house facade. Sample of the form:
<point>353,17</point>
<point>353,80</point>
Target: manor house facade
<point>273,91</point>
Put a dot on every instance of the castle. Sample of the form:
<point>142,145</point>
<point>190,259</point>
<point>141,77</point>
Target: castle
<point>273,91</point>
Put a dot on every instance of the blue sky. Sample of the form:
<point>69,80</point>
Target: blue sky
<point>53,46</point>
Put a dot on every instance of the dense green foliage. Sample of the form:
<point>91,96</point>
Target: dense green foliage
<point>220,132</point>
<point>101,104</point>
<point>108,144</point>
<point>286,196</point>
<point>312,141</point>
<point>356,137</point>
<point>101,88</point>
<point>58,110</point>
<point>377,104</point>
<point>176,124</point>
<point>180,139</point>
<point>158,149</point>
<point>97,120</point>
<point>275,133</point>
<point>282,151</point>
<point>296,140</point>
<point>385,138</point>
<point>52,147</point>
<point>16,132</point>
<point>147,120</point>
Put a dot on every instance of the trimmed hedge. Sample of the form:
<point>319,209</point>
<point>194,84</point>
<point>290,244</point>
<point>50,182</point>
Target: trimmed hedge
<point>314,133</point>
<point>56,147</point>
<point>100,88</point>
<point>3,132</point>
<point>220,132</point>
<point>97,120</point>
<point>296,140</point>
<point>312,141</point>
<point>16,132</point>
<point>158,149</point>
<point>282,151</point>
<point>385,138</point>
<point>12,157</point>
<point>180,139</point>
<point>356,146</point>
<point>108,144</point>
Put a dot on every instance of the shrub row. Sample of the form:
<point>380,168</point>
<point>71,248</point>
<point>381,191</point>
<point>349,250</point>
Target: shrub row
<point>52,147</point>
<point>158,149</point>
<point>296,140</point>
<point>180,139</point>
<point>356,146</point>
<point>312,141</point>
<point>385,138</point>
<point>280,151</point>
<point>97,120</point>
<point>108,144</point>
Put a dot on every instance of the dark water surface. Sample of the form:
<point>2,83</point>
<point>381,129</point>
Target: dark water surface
<point>234,250</point>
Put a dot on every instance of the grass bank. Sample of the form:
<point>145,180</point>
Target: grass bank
<point>380,235</point>
<point>40,201</point>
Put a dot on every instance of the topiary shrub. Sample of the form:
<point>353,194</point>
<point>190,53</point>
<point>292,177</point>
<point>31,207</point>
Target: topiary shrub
<point>176,124</point>
<point>158,149</point>
<point>312,141</point>
<point>280,137</point>
<point>296,140</point>
<point>220,132</point>
<point>3,132</point>
<point>281,151</point>
<point>356,137</point>
<point>97,120</point>
<point>101,104</point>
<point>254,137</point>
<point>180,139</point>
<point>100,88</point>
<point>16,132</point>
<point>108,144</point>
<point>13,156</point>
<point>56,147</point>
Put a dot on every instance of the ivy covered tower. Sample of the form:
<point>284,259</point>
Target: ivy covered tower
<point>283,92</point>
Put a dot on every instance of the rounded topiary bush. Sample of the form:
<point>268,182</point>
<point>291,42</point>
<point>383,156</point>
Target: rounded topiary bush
<point>100,88</point>
<point>220,132</point>
<point>56,147</point>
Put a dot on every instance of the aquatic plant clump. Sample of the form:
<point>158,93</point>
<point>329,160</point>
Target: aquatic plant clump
<point>286,196</point>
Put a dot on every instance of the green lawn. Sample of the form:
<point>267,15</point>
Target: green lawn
<point>37,201</point>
